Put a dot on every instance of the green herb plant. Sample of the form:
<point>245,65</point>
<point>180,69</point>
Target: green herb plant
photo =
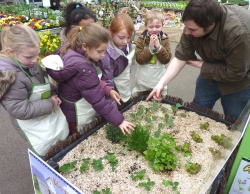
<point>196,137</point>
<point>138,175</point>
<point>85,164</point>
<point>139,113</point>
<point>168,120</point>
<point>158,132</point>
<point>114,134</point>
<point>185,149</point>
<point>175,108</point>
<point>216,153</point>
<point>222,140</point>
<point>204,126</point>
<point>138,138</point>
<point>112,160</point>
<point>147,185</point>
<point>192,168</point>
<point>67,167</point>
<point>161,153</point>
<point>97,164</point>
<point>174,185</point>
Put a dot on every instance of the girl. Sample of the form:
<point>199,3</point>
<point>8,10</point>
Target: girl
<point>79,85</point>
<point>27,96</point>
<point>75,15</point>
<point>152,53</point>
<point>115,64</point>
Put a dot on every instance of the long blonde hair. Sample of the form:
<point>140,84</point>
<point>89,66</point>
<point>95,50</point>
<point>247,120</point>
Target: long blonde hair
<point>18,37</point>
<point>93,35</point>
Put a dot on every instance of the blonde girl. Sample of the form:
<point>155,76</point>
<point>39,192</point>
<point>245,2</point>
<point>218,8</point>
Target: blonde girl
<point>79,84</point>
<point>26,94</point>
<point>116,62</point>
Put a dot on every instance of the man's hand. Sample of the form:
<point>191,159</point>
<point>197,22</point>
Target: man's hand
<point>156,93</point>
<point>115,96</point>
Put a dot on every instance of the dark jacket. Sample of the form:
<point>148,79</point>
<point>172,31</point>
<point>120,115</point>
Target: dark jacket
<point>143,54</point>
<point>79,79</point>
<point>225,52</point>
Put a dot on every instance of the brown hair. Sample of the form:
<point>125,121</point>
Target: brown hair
<point>93,35</point>
<point>203,12</point>
<point>154,14</point>
<point>17,37</point>
<point>122,21</point>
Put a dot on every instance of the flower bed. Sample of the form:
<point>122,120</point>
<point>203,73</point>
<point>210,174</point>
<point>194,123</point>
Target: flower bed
<point>128,165</point>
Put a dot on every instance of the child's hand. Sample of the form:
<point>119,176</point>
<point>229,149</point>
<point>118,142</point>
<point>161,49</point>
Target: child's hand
<point>156,42</point>
<point>126,127</point>
<point>57,101</point>
<point>152,40</point>
<point>115,96</point>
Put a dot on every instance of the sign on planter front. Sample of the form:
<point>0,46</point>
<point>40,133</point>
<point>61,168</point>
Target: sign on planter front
<point>241,183</point>
<point>47,180</point>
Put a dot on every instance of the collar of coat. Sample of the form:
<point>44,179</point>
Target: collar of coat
<point>145,34</point>
<point>112,52</point>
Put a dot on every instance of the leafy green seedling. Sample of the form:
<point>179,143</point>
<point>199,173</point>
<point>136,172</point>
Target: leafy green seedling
<point>138,138</point>
<point>175,108</point>
<point>85,164</point>
<point>148,120</point>
<point>222,140</point>
<point>169,122</point>
<point>185,149</point>
<point>97,164</point>
<point>112,160</point>
<point>138,175</point>
<point>139,113</point>
<point>192,168</point>
<point>161,152</point>
<point>155,105</point>
<point>196,137</point>
<point>104,191</point>
<point>216,153</point>
<point>204,126</point>
<point>154,117</point>
<point>96,192</point>
<point>67,167</point>
<point>114,134</point>
<point>147,185</point>
<point>174,185</point>
<point>164,110</point>
<point>158,132</point>
<point>183,115</point>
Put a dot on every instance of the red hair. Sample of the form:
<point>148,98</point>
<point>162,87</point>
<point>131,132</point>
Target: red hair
<point>122,21</point>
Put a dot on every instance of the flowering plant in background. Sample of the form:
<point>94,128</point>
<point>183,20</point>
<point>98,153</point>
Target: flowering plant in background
<point>49,43</point>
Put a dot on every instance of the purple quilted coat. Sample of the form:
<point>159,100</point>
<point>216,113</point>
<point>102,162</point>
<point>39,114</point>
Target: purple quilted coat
<point>78,79</point>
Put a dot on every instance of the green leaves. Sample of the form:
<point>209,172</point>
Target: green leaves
<point>147,185</point>
<point>112,160</point>
<point>138,175</point>
<point>192,168</point>
<point>174,185</point>
<point>85,164</point>
<point>104,191</point>
<point>114,134</point>
<point>222,140</point>
<point>97,164</point>
<point>175,108</point>
<point>67,167</point>
<point>196,137</point>
<point>204,126</point>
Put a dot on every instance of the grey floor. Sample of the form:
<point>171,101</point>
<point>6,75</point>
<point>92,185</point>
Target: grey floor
<point>15,175</point>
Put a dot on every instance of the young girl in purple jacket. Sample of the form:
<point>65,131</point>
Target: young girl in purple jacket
<point>115,64</point>
<point>79,85</point>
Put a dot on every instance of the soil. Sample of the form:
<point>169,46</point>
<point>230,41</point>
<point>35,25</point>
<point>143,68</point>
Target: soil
<point>129,162</point>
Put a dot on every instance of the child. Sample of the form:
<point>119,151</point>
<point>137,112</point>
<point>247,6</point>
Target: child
<point>26,95</point>
<point>79,84</point>
<point>152,52</point>
<point>115,64</point>
<point>75,14</point>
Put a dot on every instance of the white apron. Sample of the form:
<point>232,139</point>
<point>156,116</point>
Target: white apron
<point>44,131</point>
<point>122,81</point>
<point>148,75</point>
<point>84,111</point>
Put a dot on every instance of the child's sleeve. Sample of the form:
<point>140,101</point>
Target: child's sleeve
<point>106,87</point>
<point>164,53</point>
<point>142,55</point>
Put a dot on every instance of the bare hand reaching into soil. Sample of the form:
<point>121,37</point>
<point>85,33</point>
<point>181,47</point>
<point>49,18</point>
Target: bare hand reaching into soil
<point>126,126</point>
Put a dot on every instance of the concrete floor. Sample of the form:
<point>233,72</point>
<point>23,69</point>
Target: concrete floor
<point>15,175</point>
